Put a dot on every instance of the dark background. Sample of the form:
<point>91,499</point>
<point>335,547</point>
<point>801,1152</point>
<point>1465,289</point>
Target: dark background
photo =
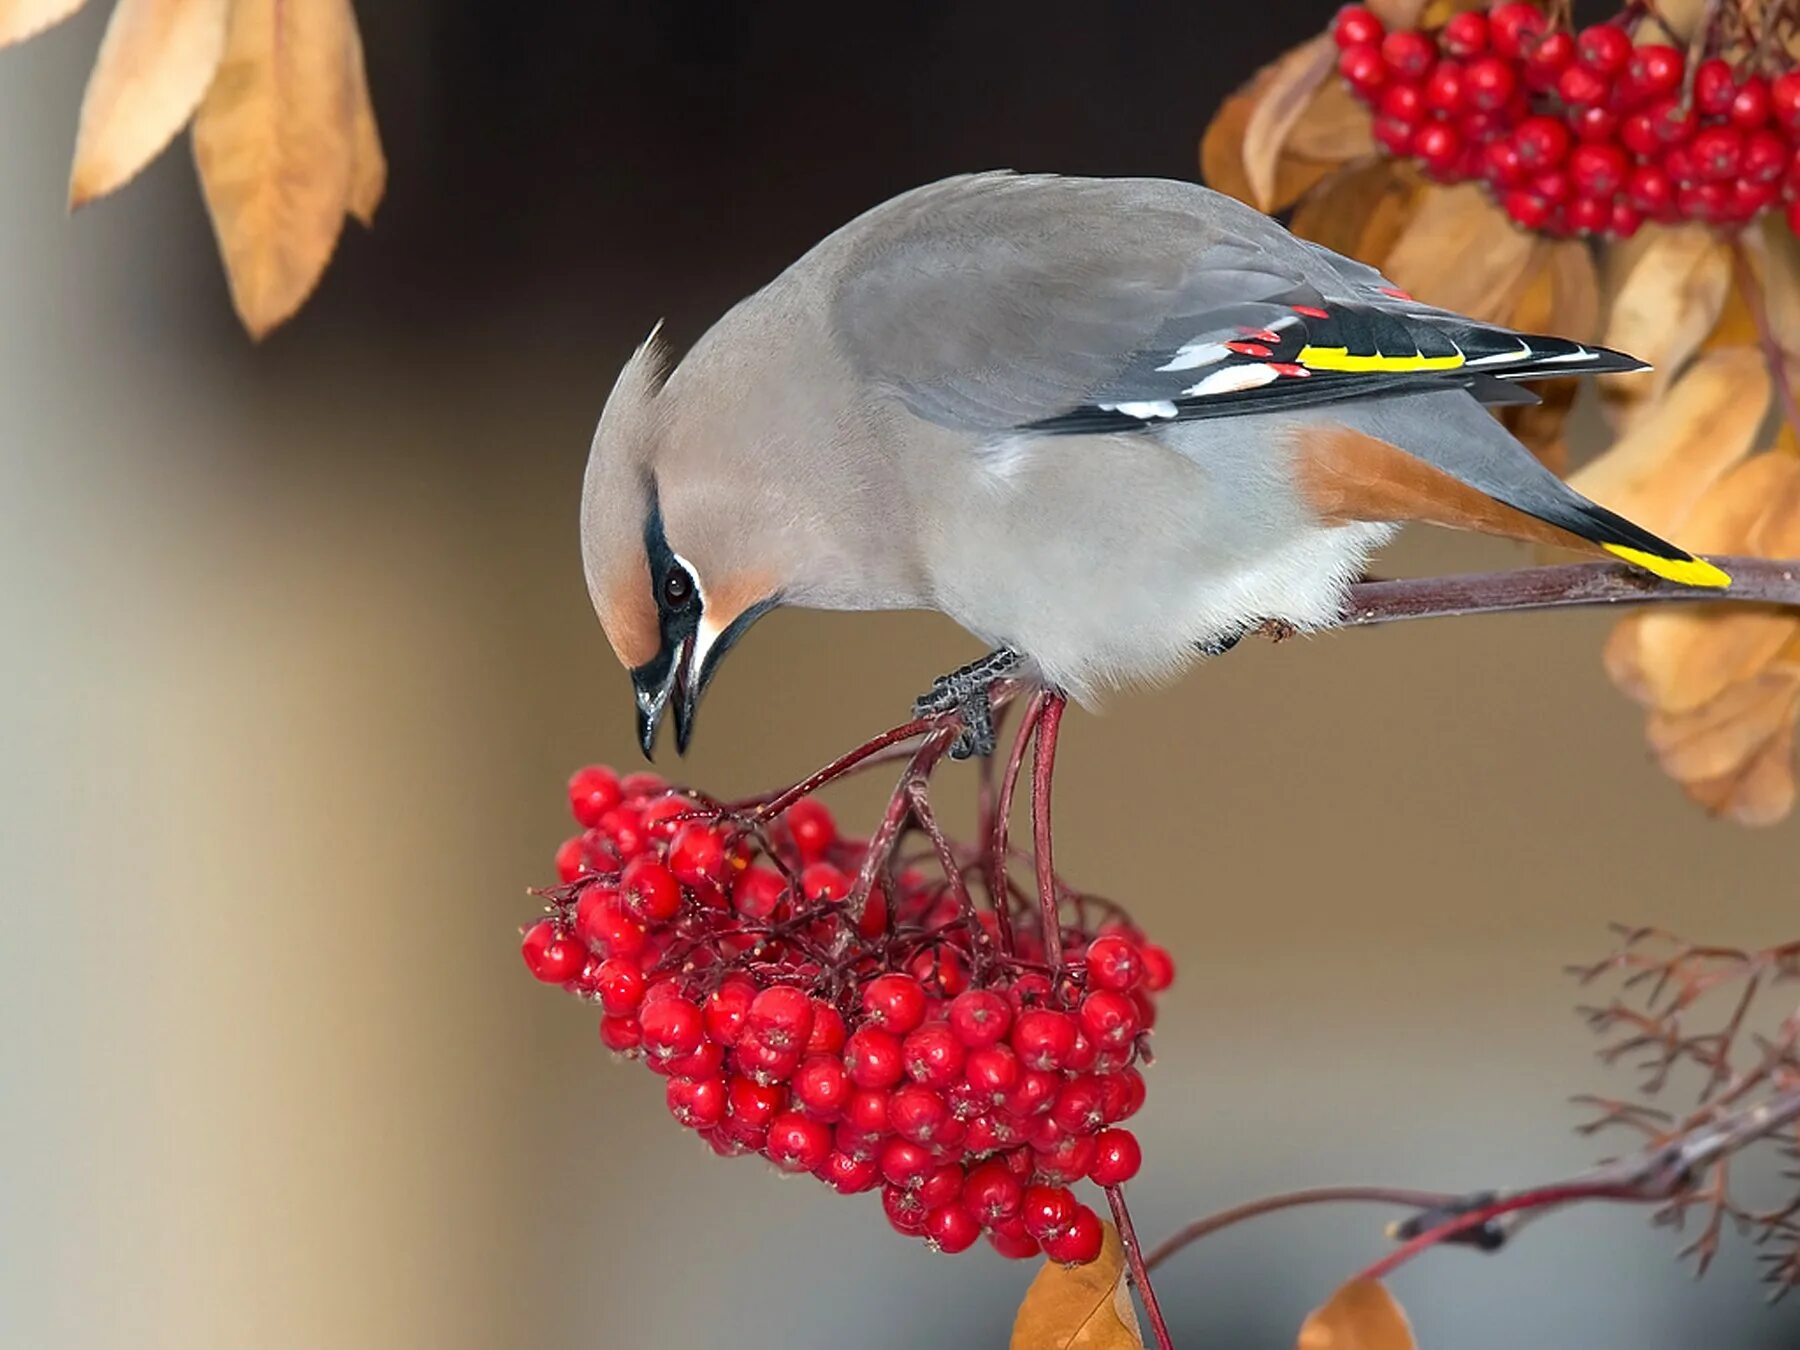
<point>298,654</point>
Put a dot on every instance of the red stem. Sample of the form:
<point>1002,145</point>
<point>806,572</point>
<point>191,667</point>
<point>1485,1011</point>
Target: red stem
<point>1317,1195</point>
<point>1140,1273</point>
<point>842,765</point>
<point>1043,769</point>
<point>999,888</point>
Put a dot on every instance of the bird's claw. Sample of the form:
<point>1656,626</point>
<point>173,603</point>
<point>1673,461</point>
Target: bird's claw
<point>965,692</point>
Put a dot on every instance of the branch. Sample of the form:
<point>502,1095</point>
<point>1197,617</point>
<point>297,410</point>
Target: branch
<point>1754,581</point>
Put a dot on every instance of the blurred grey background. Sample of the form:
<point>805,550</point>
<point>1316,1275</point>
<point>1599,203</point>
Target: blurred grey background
<point>297,655</point>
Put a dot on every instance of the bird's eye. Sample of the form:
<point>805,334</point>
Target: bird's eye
<point>678,588</point>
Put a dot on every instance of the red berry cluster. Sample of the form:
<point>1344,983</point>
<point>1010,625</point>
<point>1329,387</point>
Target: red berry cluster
<point>922,1049</point>
<point>1578,133</point>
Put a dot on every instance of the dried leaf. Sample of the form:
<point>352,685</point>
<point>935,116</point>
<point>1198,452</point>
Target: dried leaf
<point>1358,211</point>
<point>1719,738</point>
<point>1620,657</point>
<point>1663,308</point>
<point>1691,656</point>
<point>20,19</point>
<point>1080,1307</point>
<point>1362,1315</point>
<point>1777,266</point>
<point>1678,18</point>
<point>1333,127</point>
<point>1398,13</point>
<point>1461,252</point>
<point>1290,85</point>
<point>1761,794</point>
<point>1539,426</point>
<point>273,141</point>
<point>368,165</point>
<point>155,63</point>
<point>1664,463</point>
<point>1222,151</point>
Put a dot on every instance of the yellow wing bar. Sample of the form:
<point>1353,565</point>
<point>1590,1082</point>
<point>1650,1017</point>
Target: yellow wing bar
<point>1339,358</point>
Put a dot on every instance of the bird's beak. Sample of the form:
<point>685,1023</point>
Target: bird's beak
<point>658,683</point>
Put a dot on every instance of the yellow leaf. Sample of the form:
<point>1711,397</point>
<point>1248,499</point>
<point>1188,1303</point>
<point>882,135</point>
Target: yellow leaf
<point>1289,87</point>
<point>1666,460</point>
<point>1663,308</point>
<point>155,62</point>
<point>1080,1307</point>
<point>1360,1316</point>
<point>273,142</point>
<point>20,19</point>
<point>368,166</point>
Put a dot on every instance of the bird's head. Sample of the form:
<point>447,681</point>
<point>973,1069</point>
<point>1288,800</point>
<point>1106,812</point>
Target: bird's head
<point>678,562</point>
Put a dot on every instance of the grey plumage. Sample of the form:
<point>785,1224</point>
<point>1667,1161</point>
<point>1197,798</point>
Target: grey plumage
<point>1014,399</point>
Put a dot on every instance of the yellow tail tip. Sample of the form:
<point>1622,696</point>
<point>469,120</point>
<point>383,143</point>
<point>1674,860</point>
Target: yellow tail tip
<point>1682,571</point>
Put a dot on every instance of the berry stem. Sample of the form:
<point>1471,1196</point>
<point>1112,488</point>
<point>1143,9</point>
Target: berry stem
<point>842,765</point>
<point>1317,1195</point>
<point>999,889</point>
<point>1140,1273</point>
<point>1043,770</point>
<point>1774,354</point>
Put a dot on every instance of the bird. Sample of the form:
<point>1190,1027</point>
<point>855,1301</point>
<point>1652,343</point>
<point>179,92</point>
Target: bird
<point>1107,425</point>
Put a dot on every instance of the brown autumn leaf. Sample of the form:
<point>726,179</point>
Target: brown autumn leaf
<point>1761,793</point>
<point>368,165</point>
<point>1662,465</point>
<point>1287,88</point>
<point>1084,1307</point>
<point>1719,738</point>
<point>274,143</point>
<point>1460,252</point>
<point>155,63</point>
<point>1360,210</point>
<point>1662,308</point>
<point>1690,656</point>
<point>1333,127</point>
<point>20,19</point>
<point>1620,658</point>
<point>1362,1315</point>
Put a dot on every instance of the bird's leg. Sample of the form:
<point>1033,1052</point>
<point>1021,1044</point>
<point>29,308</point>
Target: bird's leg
<point>967,691</point>
<point>1220,643</point>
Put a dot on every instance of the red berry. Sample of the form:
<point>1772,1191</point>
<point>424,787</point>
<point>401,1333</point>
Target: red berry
<point>570,862</point>
<point>1047,1210</point>
<point>1526,208</point>
<point>621,1035</point>
<point>822,885</point>
<point>1110,1020</point>
<point>1079,1242</point>
<point>867,1110</point>
<point>821,1087</point>
<point>754,1104</point>
<point>602,923</point>
<point>979,1017</point>
<point>1354,26</point>
<point>1714,86</point>
<point>1513,24</point>
<point>780,1017</point>
<point>698,1103</point>
<point>765,1062</point>
<point>1489,83</point>
<point>951,1228</point>
<point>1597,170</point>
<point>1438,146</point>
<point>933,1055</point>
<point>1751,104</point>
<point>848,1175</point>
<point>1765,157</point>
<point>797,1143</point>
<point>624,827</point>
<point>672,1026</point>
<point>1681,166</point>
<point>1465,34</point>
<point>636,786</point>
<point>620,986</point>
<point>1035,1092</point>
<point>992,1070</point>
<point>1604,49</point>
<point>1500,165</point>
<point>1655,69</point>
<point>1580,87</point>
<point>1718,151</point>
<point>903,1209</point>
<point>1124,1094</point>
<point>1080,1107</point>
<point>698,856</point>
<point>1444,87</point>
<point>917,1113</point>
<point>727,1007</point>
<point>593,792</point>
<point>758,893</point>
<point>894,1003</point>
<point>708,1061</point>
<point>1159,966</point>
<point>1408,53</point>
<point>827,1029</point>
<point>1625,221</point>
<point>1403,102</point>
<point>551,954</point>
<point>992,1193</point>
<point>1362,68</point>
<point>873,1058</point>
<point>1042,1039</point>
<point>1596,124</point>
<point>1117,1158</point>
<point>1542,142</point>
<point>905,1162</point>
<point>812,828</point>
<point>1554,53</point>
<point>1792,216</point>
<point>1784,100</point>
<point>649,890</point>
<point>1013,1242</point>
<point>1066,1160</point>
<point>1638,134</point>
<point>1395,135</point>
<point>663,816</point>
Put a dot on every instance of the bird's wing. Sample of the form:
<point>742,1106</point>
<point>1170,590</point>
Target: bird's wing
<point>1001,302</point>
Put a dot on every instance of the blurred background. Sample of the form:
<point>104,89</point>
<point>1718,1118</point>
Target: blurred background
<point>297,655</point>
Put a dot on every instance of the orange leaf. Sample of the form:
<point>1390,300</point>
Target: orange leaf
<point>20,19</point>
<point>1720,738</point>
<point>1665,461</point>
<point>1288,87</point>
<point>1664,306</point>
<point>155,62</point>
<point>368,166</point>
<point>1359,211</point>
<point>1761,794</point>
<point>1620,657</point>
<point>1360,1316</point>
<point>1080,1307</point>
<point>1333,128</point>
<point>1461,252</point>
<point>273,140</point>
<point>1222,150</point>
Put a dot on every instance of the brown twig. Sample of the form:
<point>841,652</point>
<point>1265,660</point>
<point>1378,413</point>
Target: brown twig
<point>1774,353</point>
<point>1140,1273</point>
<point>1270,1204</point>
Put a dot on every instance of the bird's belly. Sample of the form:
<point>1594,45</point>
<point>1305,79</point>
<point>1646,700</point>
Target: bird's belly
<point>1110,570</point>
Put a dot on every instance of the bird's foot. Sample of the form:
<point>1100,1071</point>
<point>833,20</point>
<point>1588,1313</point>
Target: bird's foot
<point>1276,630</point>
<point>966,691</point>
